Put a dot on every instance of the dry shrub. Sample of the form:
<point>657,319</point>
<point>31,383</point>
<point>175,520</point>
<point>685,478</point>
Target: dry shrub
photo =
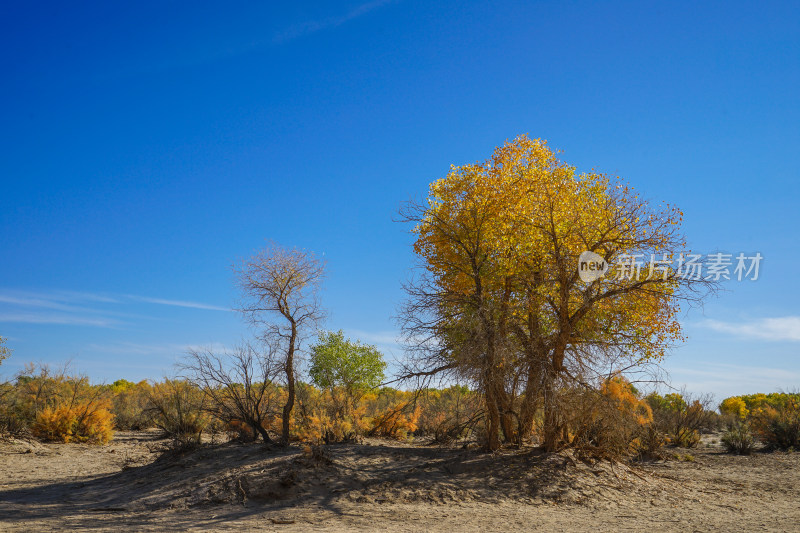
<point>325,416</point>
<point>681,417</point>
<point>240,431</point>
<point>309,417</point>
<point>392,413</point>
<point>177,408</point>
<point>82,422</point>
<point>37,387</point>
<point>340,420</point>
<point>650,442</point>
<point>314,457</point>
<point>55,424</point>
<point>605,423</point>
<point>239,387</point>
<point>309,427</point>
<point>56,405</point>
<point>130,405</point>
<point>11,425</point>
<point>449,414</point>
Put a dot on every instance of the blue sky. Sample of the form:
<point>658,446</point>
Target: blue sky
<point>147,146</point>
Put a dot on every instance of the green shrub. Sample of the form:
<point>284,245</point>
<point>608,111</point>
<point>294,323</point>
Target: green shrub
<point>739,439</point>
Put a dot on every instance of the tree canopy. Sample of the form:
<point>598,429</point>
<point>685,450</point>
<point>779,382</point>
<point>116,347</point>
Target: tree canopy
<point>339,362</point>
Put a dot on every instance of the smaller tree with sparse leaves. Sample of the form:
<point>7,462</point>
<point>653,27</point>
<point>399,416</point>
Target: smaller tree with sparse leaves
<point>4,350</point>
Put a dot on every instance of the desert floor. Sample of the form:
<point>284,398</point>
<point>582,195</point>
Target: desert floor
<point>390,486</point>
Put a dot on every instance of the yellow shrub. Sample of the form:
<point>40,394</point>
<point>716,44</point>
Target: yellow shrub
<point>82,422</point>
<point>96,426</point>
<point>779,427</point>
<point>55,424</point>
<point>735,406</point>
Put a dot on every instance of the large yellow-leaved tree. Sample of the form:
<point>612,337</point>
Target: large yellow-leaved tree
<point>499,300</point>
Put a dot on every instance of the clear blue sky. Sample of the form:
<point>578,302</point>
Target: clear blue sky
<point>145,146</point>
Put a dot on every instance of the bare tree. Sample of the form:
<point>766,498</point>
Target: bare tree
<point>239,384</point>
<point>279,289</point>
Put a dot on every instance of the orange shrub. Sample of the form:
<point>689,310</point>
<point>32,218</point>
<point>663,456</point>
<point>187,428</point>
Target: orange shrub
<point>624,396</point>
<point>322,417</point>
<point>607,422</point>
<point>397,422</point>
<point>779,427</point>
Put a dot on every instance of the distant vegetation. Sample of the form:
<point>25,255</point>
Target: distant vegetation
<point>613,421</point>
<point>61,407</point>
<point>772,418</point>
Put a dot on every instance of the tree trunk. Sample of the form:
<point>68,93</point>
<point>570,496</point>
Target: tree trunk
<point>530,401</point>
<point>287,408</point>
<point>492,422</point>
<point>506,418</point>
<point>259,429</point>
<point>553,424</point>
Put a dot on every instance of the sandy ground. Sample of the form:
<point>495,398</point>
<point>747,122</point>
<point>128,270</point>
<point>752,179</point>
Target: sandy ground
<point>388,486</point>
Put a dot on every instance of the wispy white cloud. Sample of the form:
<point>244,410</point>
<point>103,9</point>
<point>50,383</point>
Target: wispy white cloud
<point>65,307</point>
<point>785,328</point>
<point>727,372</point>
<point>311,26</point>
<point>376,337</point>
<point>55,302</point>
<point>50,318</point>
<point>63,300</point>
<point>129,348</point>
<point>215,347</point>
<point>84,296</point>
<point>34,302</point>
<point>178,303</point>
<point>176,349</point>
<point>727,380</point>
<point>51,297</point>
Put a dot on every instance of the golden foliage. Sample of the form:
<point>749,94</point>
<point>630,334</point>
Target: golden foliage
<point>90,422</point>
<point>524,211</point>
<point>624,396</point>
<point>734,406</point>
<point>398,421</point>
